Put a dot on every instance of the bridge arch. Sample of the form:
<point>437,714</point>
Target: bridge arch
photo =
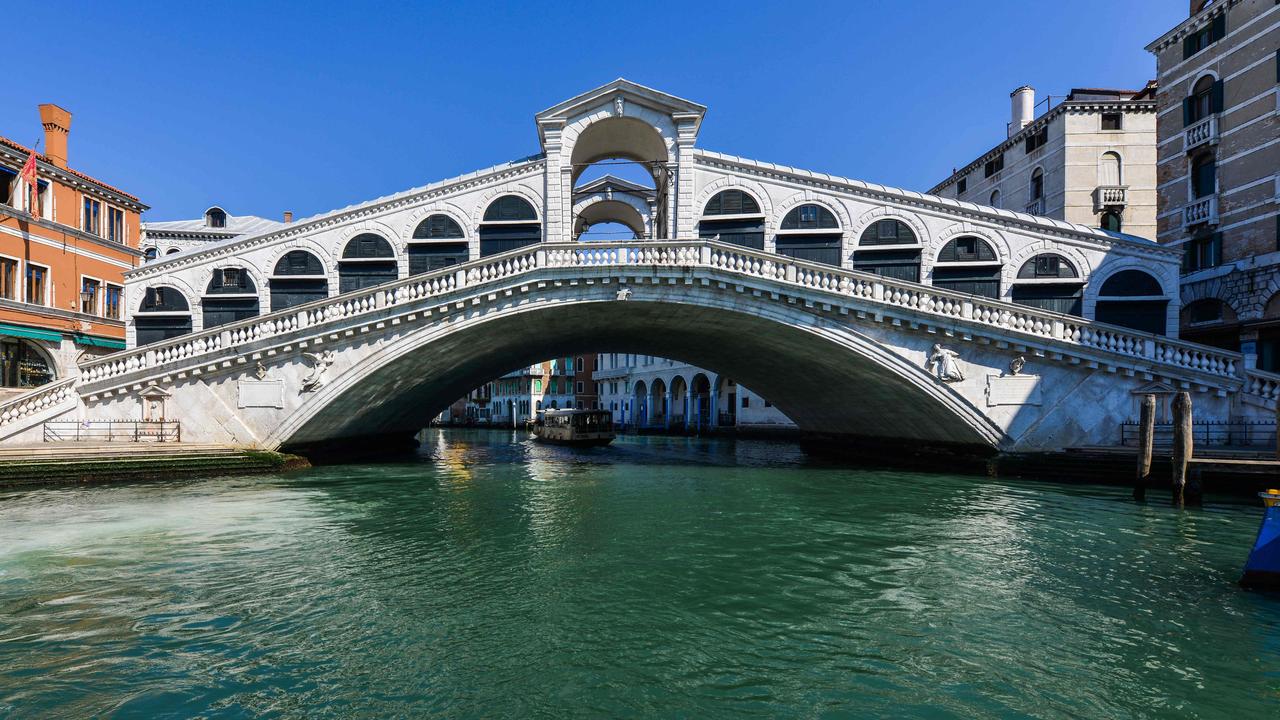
<point>852,383</point>
<point>622,208</point>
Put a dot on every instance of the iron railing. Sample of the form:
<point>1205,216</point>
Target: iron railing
<point>112,431</point>
<point>1260,434</point>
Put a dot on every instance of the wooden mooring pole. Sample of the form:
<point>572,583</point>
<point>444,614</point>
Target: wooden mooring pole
<point>1146,441</point>
<point>1181,445</point>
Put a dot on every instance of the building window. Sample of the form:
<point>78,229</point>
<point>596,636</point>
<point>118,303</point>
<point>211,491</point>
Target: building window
<point>961,185</point>
<point>993,166</point>
<point>149,254</point>
<point>215,218</point>
<point>112,302</point>
<point>1112,121</point>
<point>579,365</point>
<point>92,216</point>
<point>23,365</point>
<point>580,387</point>
<point>37,284</point>
<point>1110,221</point>
<point>1048,266</point>
<point>115,224</point>
<point>1206,98</point>
<point>1202,252</point>
<point>746,401</point>
<point>1037,140</point>
<point>1205,36</point>
<point>1204,177</point>
<point>8,279</point>
<point>995,199</point>
<point>537,385</point>
<point>90,290</point>
<point>1037,185</point>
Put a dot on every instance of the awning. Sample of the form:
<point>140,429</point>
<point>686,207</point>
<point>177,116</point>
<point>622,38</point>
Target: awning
<point>99,342</point>
<point>20,331</point>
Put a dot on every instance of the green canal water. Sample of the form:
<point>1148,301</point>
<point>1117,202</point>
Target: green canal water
<point>499,578</point>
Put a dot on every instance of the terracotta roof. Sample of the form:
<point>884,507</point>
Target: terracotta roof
<point>77,173</point>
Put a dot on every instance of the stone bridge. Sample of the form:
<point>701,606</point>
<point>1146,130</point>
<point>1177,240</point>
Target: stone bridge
<point>839,351</point>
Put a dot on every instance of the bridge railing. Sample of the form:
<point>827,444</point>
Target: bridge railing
<point>1008,317</point>
<point>36,401</point>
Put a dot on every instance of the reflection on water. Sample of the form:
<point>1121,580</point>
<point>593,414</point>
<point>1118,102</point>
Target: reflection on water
<point>656,577</point>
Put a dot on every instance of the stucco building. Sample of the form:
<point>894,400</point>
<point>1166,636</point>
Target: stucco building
<point>1219,158</point>
<point>169,237</point>
<point>64,247</point>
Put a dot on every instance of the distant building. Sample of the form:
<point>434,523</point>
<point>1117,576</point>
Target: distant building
<point>1088,159</point>
<point>518,396</point>
<point>174,236</point>
<point>586,389</point>
<point>1219,172</point>
<point>64,249</point>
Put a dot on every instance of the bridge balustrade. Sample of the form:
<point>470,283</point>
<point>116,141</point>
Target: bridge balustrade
<point>1009,318</point>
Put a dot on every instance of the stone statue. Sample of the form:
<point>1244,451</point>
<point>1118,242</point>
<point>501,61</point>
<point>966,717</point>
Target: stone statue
<point>260,372</point>
<point>618,106</point>
<point>1016,365</point>
<point>624,293</point>
<point>319,367</point>
<point>946,364</point>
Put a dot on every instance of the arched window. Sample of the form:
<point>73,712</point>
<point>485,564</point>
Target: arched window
<point>367,260</point>
<point>431,249</point>
<point>734,217</point>
<point>149,254</point>
<point>510,222</point>
<point>1205,100</point>
<point>1210,321</point>
<point>1111,220</point>
<point>810,232</point>
<point>215,217</point>
<point>1133,299</point>
<point>1204,176</point>
<point>298,278</point>
<point>230,296</point>
<point>173,251</point>
<point>880,251</point>
<point>164,313</point>
<point>1050,282</point>
<point>24,364</point>
<point>968,264</point>
<point>1036,190</point>
<point>995,199</point>
<point>1109,170</point>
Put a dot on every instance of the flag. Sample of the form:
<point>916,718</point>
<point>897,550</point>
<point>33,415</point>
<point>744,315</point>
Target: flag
<point>28,176</point>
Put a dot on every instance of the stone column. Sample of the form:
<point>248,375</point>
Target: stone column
<point>714,415</point>
<point>666,416</point>
<point>682,213</point>
<point>1249,348</point>
<point>557,205</point>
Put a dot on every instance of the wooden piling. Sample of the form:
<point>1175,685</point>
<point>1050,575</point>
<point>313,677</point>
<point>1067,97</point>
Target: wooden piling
<point>1277,428</point>
<point>1146,441</point>
<point>1182,448</point>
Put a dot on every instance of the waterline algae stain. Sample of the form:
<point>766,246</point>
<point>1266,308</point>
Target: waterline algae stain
<point>655,577</point>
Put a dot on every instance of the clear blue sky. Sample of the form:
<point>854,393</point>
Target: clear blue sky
<point>263,107</point>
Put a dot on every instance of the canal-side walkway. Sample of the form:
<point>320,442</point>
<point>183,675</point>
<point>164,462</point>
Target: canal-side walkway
<point>73,462</point>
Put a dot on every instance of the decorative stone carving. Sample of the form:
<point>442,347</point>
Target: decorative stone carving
<point>946,364</point>
<point>260,371</point>
<point>624,293</point>
<point>619,106</point>
<point>319,368</point>
<point>1013,390</point>
<point>1016,365</point>
<point>260,394</point>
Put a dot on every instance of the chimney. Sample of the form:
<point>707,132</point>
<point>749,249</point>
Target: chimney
<point>1022,108</point>
<point>57,123</point>
<point>288,216</point>
<point>1197,6</point>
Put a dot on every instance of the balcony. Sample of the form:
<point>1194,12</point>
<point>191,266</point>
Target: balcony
<point>1105,196</point>
<point>1036,207</point>
<point>1201,212</point>
<point>1204,132</point>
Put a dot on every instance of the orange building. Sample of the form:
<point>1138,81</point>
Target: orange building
<point>63,253</point>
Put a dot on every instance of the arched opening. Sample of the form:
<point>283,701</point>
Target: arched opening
<point>164,313</point>
<point>298,278</point>
<point>1111,221</point>
<point>437,242</point>
<point>1269,336</point>
<point>24,364</point>
<point>968,264</point>
<point>1210,321</point>
<point>1133,299</point>
<point>640,404</point>
<point>628,149</point>
<point>1050,282</point>
<point>230,296</point>
<point>679,401</point>
<point>149,254</point>
<point>608,220</point>
<point>733,216</point>
<point>173,251</point>
<point>509,222</point>
<point>658,408</point>
<point>700,405</point>
<point>995,199</point>
<point>810,232</point>
<point>215,217</point>
<point>367,261</point>
<point>1035,193</point>
<point>1205,100</point>
<point>889,248</point>
<point>726,402</point>
<point>1110,172</point>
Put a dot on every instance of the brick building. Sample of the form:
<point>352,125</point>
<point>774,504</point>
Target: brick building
<point>63,251</point>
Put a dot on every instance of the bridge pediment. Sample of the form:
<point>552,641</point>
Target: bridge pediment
<point>607,97</point>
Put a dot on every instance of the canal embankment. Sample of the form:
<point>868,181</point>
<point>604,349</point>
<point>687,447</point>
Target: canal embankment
<point>68,463</point>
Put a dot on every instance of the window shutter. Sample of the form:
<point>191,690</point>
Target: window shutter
<point>1188,46</point>
<point>1215,97</point>
<point>1218,30</point>
<point>1216,249</point>
<point>1188,110</point>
